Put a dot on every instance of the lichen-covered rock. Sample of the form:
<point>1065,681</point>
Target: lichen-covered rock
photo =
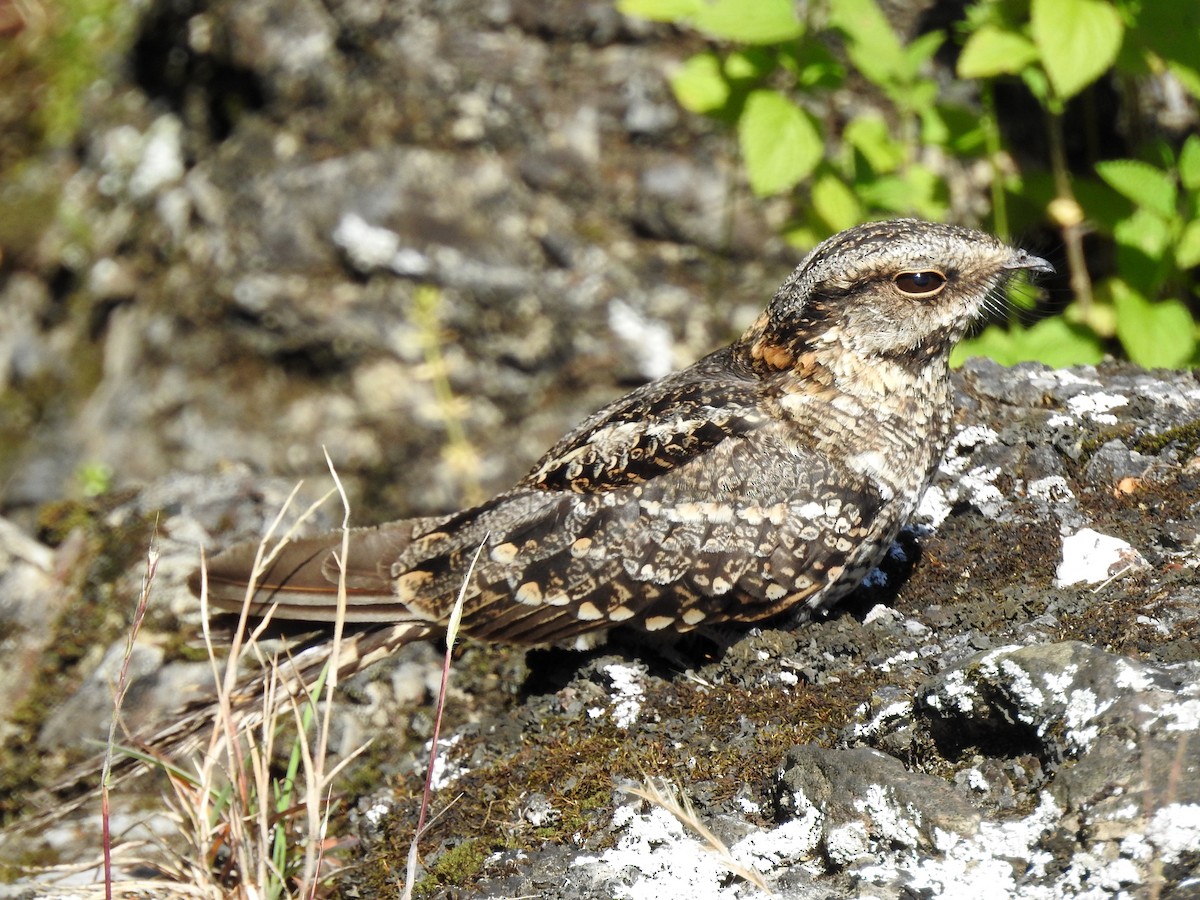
<point>864,802</point>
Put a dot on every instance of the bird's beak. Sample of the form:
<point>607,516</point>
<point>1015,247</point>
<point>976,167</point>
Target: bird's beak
<point>1022,260</point>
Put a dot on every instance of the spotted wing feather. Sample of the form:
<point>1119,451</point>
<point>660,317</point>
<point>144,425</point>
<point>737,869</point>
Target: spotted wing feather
<point>559,564</point>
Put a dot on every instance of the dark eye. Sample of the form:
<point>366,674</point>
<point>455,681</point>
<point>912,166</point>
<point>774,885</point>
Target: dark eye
<point>920,284</point>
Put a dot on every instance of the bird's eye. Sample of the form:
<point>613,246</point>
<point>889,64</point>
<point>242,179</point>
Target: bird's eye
<point>924,283</point>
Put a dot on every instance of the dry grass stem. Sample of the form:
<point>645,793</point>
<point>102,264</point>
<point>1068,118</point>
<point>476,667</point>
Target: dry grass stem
<point>666,796</point>
<point>119,692</point>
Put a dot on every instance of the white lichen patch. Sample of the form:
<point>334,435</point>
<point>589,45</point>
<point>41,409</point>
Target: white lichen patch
<point>1019,682</point>
<point>957,692</point>
<point>628,693</point>
<point>1091,557</point>
<point>1083,708</point>
<point>882,613</point>
<point>1096,406</point>
<point>654,857</point>
<point>1052,489</point>
<point>895,824</point>
<point>1184,715</point>
<point>899,659</point>
<point>1175,830</point>
<point>1051,377</point>
<point>897,711</point>
<point>973,484</point>
<point>970,437</point>
<point>795,841</point>
<point>1132,677</point>
<point>934,507</point>
<point>979,867</point>
<point>445,772</point>
<point>978,487</point>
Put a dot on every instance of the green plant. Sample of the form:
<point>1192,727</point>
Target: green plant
<point>94,478</point>
<point>58,51</point>
<point>776,92</point>
<point>1059,48</point>
<point>835,111</point>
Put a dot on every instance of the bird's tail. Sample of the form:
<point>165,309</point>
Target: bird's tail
<point>299,579</point>
<point>338,577</point>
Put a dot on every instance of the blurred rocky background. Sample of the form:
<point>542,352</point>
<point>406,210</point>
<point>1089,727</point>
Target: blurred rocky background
<point>423,236</point>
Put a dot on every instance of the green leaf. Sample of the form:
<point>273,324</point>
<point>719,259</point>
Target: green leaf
<point>870,135</point>
<point>1142,242</point>
<point>751,63</point>
<point>873,46</point>
<point>1153,334</point>
<point>889,192</point>
<point>1035,80</point>
<point>993,51</point>
<point>760,22</point>
<point>1187,251</point>
<point>967,132</point>
<point>913,192</point>
<point>1077,40</point>
<point>927,190</point>
<point>1149,188</point>
<point>921,49</point>
<point>659,10</point>
<point>1106,208</point>
<point>935,131</point>
<point>779,142</point>
<point>1054,342</point>
<point>1189,163</point>
<point>700,85</point>
<point>835,203</point>
<point>1143,258</point>
<point>812,64</point>
<point>921,95</point>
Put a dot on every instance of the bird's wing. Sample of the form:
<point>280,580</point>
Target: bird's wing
<point>654,429</point>
<point>736,534</point>
<point>642,436</point>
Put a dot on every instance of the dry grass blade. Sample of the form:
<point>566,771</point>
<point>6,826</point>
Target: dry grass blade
<point>119,691</point>
<point>665,796</point>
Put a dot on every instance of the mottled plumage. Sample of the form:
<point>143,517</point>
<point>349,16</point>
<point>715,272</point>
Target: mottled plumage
<point>769,476</point>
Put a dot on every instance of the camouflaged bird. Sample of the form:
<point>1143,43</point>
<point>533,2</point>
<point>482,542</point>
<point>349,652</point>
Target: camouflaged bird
<point>768,477</point>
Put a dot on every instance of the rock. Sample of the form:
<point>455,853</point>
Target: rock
<point>862,801</point>
<point>32,595</point>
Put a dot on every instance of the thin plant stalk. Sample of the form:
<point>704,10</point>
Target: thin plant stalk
<point>662,794</point>
<point>121,688</point>
<point>410,875</point>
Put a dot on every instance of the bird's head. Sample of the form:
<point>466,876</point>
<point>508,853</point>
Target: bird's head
<point>902,290</point>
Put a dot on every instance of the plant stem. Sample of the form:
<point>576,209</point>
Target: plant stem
<point>991,137</point>
<point>1071,223</point>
